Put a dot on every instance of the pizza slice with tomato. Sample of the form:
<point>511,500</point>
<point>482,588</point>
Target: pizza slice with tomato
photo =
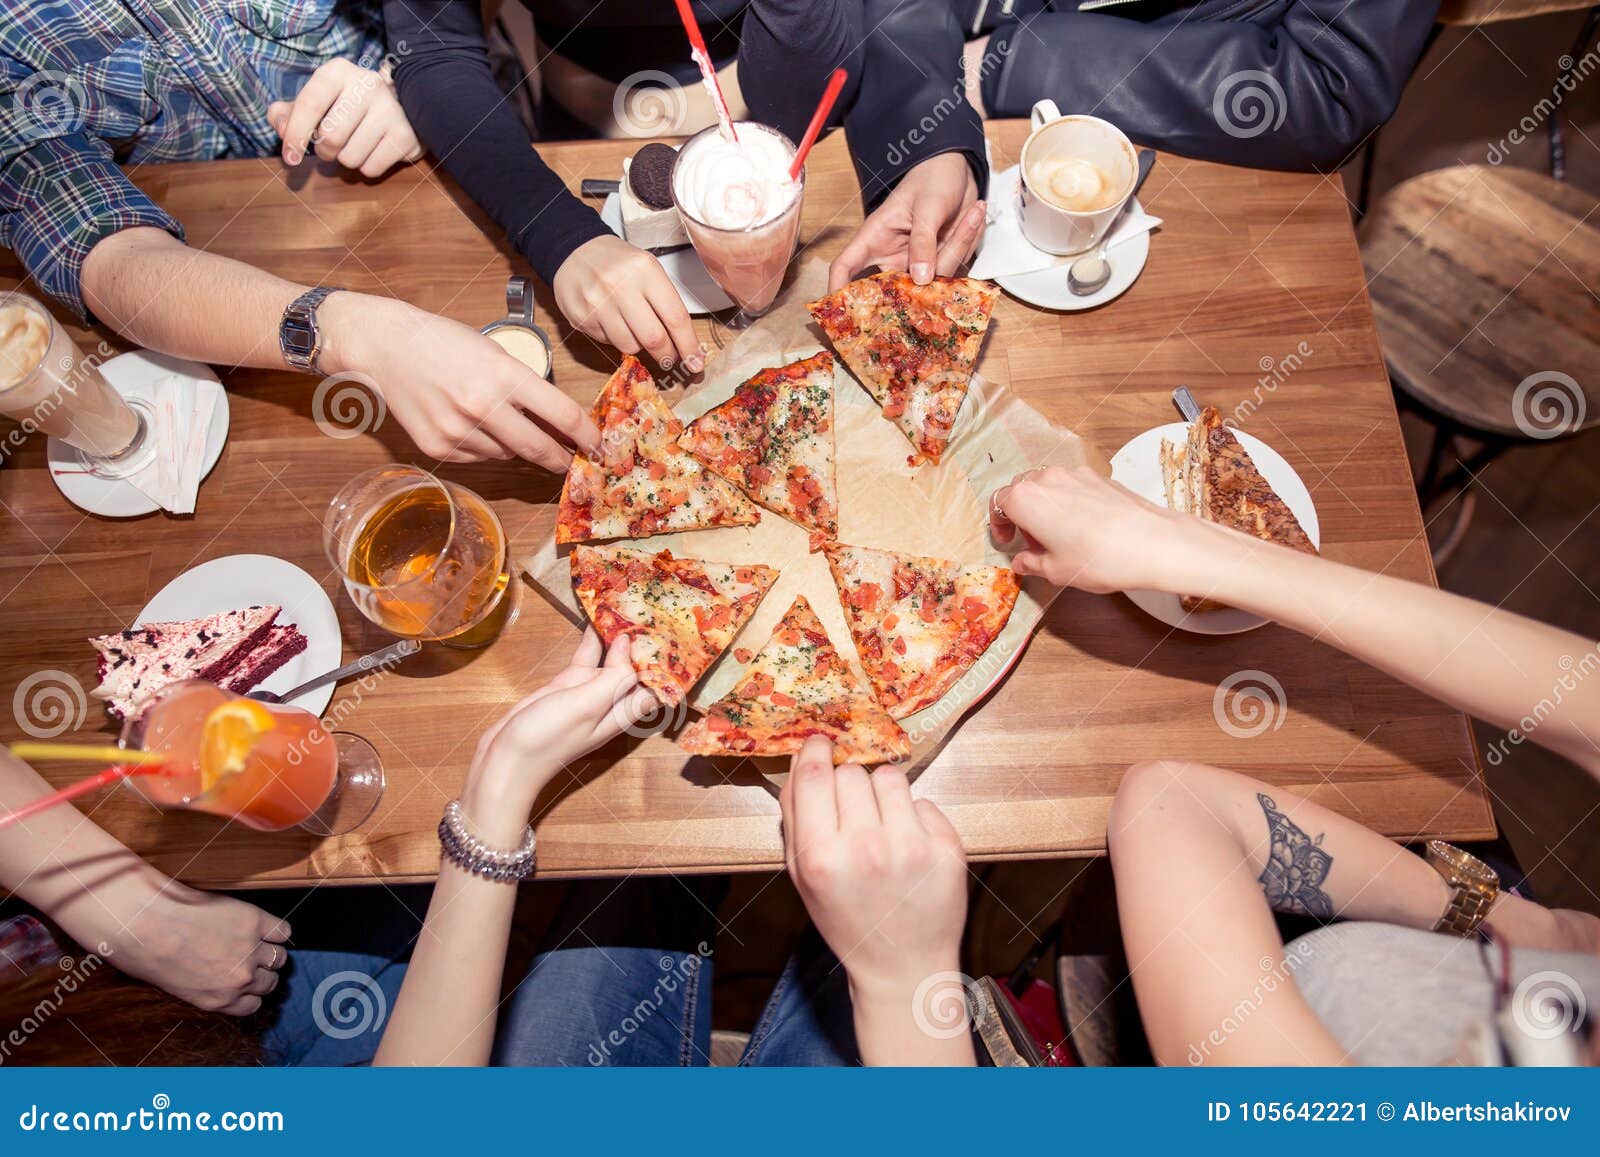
<point>913,347</point>
<point>679,613</point>
<point>918,623</point>
<point>797,686</point>
<point>774,440</point>
<point>642,482</point>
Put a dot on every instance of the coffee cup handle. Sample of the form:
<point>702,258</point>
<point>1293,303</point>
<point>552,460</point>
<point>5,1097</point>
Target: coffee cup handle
<point>1044,112</point>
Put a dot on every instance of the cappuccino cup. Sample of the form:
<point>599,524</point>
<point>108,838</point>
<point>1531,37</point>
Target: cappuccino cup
<point>1077,173</point>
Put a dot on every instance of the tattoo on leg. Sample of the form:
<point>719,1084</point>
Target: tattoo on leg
<point>1296,867</point>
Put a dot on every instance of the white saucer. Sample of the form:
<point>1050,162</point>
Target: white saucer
<point>248,580</point>
<point>1138,467</point>
<point>701,294</point>
<point>1047,288</point>
<point>133,375</point>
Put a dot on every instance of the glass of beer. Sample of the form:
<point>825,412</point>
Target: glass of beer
<point>420,557</point>
<point>47,384</point>
<point>268,766</point>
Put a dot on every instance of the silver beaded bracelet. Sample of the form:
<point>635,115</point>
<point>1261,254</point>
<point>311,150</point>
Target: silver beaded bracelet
<point>471,854</point>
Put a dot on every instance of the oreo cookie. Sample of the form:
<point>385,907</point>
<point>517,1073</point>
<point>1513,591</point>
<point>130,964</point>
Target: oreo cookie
<point>650,175</point>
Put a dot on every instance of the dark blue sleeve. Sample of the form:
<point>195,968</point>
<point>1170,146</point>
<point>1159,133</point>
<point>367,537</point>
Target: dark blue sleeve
<point>458,111</point>
<point>787,51</point>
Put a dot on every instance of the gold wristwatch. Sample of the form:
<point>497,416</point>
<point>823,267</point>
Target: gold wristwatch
<point>1475,886</point>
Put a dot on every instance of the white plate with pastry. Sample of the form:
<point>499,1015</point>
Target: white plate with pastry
<point>1139,467</point>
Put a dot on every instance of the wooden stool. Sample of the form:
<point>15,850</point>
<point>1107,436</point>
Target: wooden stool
<point>1483,283</point>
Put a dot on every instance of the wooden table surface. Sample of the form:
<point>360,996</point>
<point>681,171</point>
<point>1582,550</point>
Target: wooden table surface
<point>1254,291</point>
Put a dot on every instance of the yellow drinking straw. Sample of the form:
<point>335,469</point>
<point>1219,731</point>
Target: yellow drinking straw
<point>83,753</point>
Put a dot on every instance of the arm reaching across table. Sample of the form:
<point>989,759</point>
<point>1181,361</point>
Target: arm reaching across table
<point>458,394</point>
<point>1085,531</point>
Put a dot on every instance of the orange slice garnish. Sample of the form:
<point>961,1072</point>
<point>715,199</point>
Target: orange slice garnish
<point>230,735</point>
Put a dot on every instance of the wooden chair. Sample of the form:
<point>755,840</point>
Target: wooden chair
<point>1483,281</point>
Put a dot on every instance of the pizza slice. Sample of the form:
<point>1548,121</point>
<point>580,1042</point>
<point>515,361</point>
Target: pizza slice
<point>643,483</point>
<point>913,346</point>
<point>797,686</point>
<point>1213,477</point>
<point>774,440</point>
<point>919,623</point>
<point>679,613</point>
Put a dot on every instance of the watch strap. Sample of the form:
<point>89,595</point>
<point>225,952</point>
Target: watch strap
<point>299,337</point>
<point>1474,888</point>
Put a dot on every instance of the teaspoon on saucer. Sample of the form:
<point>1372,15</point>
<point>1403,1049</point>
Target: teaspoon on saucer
<point>1090,273</point>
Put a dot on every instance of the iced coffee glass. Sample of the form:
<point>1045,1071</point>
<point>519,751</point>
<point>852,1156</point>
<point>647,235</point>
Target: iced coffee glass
<point>741,211</point>
<point>47,384</point>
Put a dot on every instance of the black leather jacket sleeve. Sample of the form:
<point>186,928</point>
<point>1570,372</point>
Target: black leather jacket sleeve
<point>911,105</point>
<point>1276,84</point>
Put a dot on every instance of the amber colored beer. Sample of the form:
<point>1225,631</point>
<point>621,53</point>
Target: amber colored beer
<point>48,385</point>
<point>427,559</point>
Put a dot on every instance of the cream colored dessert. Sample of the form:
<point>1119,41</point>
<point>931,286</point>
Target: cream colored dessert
<point>46,384</point>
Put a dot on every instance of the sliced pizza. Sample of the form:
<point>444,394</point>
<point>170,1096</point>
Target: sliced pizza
<point>913,346</point>
<point>918,623</point>
<point>1212,476</point>
<point>774,440</point>
<point>797,686</point>
<point>643,482</point>
<point>679,613</point>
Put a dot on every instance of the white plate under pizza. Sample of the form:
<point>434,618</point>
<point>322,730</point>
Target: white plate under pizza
<point>1138,467</point>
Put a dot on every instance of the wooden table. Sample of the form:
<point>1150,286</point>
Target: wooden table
<point>1254,290</point>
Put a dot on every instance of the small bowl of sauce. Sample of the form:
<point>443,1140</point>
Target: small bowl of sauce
<point>517,334</point>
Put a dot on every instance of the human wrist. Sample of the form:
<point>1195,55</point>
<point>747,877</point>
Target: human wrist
<point>914,1016</point>
<point>348,322</point>
<point>497,799</point>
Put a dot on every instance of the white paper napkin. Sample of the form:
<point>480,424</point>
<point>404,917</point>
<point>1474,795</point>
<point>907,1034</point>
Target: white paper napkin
<point>1004,251</point>
<point>183,408</point>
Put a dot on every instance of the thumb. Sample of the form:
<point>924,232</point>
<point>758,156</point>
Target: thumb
<point>278,115</point>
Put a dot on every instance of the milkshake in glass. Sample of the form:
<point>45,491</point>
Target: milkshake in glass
<point>741,211</point>
<point>46,384</point>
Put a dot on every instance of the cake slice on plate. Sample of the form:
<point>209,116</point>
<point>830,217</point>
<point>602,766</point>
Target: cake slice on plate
<point>234,649</point>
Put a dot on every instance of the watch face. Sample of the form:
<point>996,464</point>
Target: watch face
<point>297,338</point>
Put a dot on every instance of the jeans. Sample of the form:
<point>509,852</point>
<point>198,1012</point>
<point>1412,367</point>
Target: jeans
<point>624,979</point>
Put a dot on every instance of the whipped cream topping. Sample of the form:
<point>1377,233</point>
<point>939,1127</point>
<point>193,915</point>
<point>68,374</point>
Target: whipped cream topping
<point>735,185</point>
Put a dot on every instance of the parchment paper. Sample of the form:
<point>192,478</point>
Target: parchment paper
<point>883,502</point>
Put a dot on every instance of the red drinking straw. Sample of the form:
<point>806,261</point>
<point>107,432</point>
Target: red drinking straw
<point>818,119</point>
<point>703,59</point>
<point>105,778</point>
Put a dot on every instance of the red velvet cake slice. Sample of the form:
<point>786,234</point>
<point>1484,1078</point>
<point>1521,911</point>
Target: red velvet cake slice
<point>235,649</point>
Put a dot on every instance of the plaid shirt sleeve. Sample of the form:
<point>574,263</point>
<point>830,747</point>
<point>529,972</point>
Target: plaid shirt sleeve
<point>60,197</point>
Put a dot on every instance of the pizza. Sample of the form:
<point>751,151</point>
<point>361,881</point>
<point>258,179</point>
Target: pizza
<point>1212,476</point>
<point>774,440</point>
<point>643,483</point>
<point>679,613</point>
<point>797,686</point>
<point>918,623</point>
<point>913,347</point>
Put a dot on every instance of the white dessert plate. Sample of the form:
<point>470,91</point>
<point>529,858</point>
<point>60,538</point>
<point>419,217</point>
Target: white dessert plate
<point>1138,467</point>
<point>1047,288</point>
<point>249,580</point>
<point>701,295</point>
<point>134,375</point>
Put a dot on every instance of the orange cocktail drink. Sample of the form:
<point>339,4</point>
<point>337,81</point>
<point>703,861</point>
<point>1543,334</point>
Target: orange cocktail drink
<point>267,766</point>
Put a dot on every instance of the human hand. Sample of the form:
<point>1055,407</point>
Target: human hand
<point>619,294</point>
<point>1081,529</point>
<point>882,875</point>
<point>460,396</point>
<point>929,224</point>
<point>589,703</point>
<point>354,117</point>
<point>217,953</point>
